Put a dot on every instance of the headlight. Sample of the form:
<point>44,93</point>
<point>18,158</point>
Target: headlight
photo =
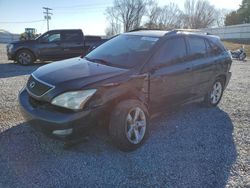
<point>73,100</point>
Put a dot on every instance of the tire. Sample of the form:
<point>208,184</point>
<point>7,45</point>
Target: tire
<point>214,94</point>
<point>25,57</point>
<point>129,125</point>
<point>242,57</point>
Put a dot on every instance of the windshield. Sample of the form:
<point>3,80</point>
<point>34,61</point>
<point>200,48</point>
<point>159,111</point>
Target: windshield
<point>124,51</point>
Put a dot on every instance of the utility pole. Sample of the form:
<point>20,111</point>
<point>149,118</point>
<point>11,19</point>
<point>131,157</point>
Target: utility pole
<point>47,15</point>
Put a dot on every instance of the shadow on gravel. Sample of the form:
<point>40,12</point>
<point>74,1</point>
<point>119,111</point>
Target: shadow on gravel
<point>188,147</point>
<point>13,69</point>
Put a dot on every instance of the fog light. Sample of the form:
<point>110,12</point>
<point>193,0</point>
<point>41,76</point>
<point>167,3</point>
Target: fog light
<point>62,132</point>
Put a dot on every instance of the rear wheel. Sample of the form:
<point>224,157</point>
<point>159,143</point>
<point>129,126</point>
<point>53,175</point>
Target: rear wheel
<point>214,95</point>
<point>24,57</point>
<point>242,57</point>
<point>129,125</point>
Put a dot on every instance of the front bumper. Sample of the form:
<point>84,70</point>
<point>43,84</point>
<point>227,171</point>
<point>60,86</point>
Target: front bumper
<point>10,54</point>
<point>48,120</point>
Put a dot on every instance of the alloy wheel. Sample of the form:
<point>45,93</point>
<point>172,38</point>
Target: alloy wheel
<point>216,92</point>
<point>136,125</point>
<point>24,58</point>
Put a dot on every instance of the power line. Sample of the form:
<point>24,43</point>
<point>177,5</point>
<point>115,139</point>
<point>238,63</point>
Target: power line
<point>47,15</point>
<point>82,6</point>
<point>80,11</point>
<point>22,22</point>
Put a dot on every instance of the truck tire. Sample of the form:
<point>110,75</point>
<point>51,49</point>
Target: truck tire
<point>129,125</point>
<point>214,94</point>
<point>25,57</point>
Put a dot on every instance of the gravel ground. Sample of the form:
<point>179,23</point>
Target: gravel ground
<point>188,147</point>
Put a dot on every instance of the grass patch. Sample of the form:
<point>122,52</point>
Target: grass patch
<point>235,46</point>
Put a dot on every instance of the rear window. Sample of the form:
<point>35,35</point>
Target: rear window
<point>72,36</point>
<point>215,47</point>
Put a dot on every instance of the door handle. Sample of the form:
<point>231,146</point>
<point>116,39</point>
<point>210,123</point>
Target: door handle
<point>189,69</point>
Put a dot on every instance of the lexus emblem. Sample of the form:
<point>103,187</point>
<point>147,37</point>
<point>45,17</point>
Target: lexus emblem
<point>32,84</point>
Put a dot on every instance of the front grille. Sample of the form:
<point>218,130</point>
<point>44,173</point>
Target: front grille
<point>37,87</point>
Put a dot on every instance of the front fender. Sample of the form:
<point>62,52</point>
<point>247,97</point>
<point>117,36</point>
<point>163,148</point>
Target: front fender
<point>136,87</point>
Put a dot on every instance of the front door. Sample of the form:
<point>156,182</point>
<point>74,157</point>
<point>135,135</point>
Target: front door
<point>171,75</point>
<point>50,46</point>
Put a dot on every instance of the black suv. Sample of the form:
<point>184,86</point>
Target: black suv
<point>126,80</point>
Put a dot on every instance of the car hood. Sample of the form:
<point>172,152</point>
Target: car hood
<point>75,73</point>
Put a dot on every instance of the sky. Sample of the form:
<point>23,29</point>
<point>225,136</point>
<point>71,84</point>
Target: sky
<point>75,14</point>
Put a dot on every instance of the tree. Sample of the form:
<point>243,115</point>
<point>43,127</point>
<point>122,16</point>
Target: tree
<point>244,11</point>
<point>114,27</point>
<point>153,14</point>
<point>232,18</point>
<point>128,12</point>
<point>198,14</point>
<point>170,17</point>
<point>167,17</point>
<point>240,16</point>
<point>221,17</point>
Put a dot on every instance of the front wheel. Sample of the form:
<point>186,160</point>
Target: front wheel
<point>129,125</point>
<point>24,57</point>
<point>214,95</point>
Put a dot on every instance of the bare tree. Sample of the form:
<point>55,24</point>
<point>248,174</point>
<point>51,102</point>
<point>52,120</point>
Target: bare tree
<point>128,12</point>
<point>114,26</point>
<point>221,17</point>
<point>170,17</point>
<point>167,17</point>
<point>198,14</point>
<point>153,14</point>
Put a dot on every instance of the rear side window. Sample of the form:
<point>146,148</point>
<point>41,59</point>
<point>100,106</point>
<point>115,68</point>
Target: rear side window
<point>173,51</point>
<point>214,48</point>
<point>72,37</point>
<point>197,47</point>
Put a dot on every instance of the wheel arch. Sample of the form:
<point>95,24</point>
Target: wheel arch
<point>222,77</point>
<point>23,49</point>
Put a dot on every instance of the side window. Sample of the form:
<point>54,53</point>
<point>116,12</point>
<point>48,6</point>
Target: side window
<point>51,37</point>
<point>173,51</point>
<point>197,47</point>
<point>213,48</point>
<point>72,37</point>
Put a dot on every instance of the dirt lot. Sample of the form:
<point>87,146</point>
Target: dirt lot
<point>188,147</point>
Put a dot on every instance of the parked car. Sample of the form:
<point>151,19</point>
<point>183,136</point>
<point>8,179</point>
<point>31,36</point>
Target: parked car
<point>127,79</point>
<point>52,45</point>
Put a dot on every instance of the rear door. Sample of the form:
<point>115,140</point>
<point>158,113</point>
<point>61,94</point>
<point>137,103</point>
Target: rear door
<point>72,43</point>
<point>203,64</point>
<point>171,74</point>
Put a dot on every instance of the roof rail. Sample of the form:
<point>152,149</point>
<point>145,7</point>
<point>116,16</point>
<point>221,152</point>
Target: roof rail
<point>139,29</point>
<point>145,29</point>
<point>174,31</point>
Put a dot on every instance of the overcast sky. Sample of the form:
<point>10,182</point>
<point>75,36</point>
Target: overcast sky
<point>86,15</point>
